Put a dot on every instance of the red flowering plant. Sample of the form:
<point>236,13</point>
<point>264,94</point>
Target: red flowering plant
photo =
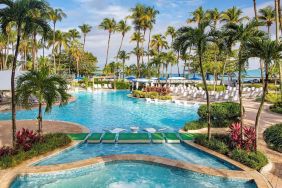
<point>235,135</point>
<point>26,138</point>
<point>160,90</point>
<point>7,151</point>
<point>249,138</point>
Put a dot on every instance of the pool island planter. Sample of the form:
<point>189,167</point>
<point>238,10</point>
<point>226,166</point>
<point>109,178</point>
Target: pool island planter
<point>230,174</point>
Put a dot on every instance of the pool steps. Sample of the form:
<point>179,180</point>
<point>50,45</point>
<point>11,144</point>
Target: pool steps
<point>133,138</point>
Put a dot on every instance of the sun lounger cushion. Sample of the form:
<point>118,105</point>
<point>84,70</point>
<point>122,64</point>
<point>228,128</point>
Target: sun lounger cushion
<point>109,137</point>
<point>95,137</point>
<point>133,138</point>
<point>157,138</point>
<point>171,138</point>
<point>186,136</point>
<point>79,136</point>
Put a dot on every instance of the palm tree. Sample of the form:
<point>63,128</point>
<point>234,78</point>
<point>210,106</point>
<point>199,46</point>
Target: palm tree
<point>170,59</point>
<point>277,23</point>
<point>267,15</point>
<point>76,50</point>
<point>215,16</point>
<point>73,34</point>
<point>138,38</point>
<point>123,28</point>
<point>233,15</point>
<point>123,55</point>
<point>198,16</point>
<point>48,89</point>
<point>159,42</point>
<point>243,33</point>
<point>170,31</point>
<point>85,29</point>
<point>55,15</point>
<point>151,13</point>
<point>61,40</point>
<point>110,26</point>
<point>19,12</point>
<point>197,38</point>
<point>268,51</point>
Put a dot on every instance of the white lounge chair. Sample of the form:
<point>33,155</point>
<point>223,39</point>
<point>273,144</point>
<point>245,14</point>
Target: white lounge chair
<point>153,130</point>
<point>134,129</point>
<point>115,130</point>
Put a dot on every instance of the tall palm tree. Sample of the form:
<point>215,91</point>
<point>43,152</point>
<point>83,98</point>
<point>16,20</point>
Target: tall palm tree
<point>170,59</point>
<point>47,88</point>
<point>85,29</point>
<point>243,33</point>
<point>233,15</point>
<point>18,11</point>
<point>73,34</point>
<point>110,26</point>
<point>123,28</point>
<point>61,41</point>
<point>268,51</point>
<point>198,16</point>
<point>170,31</point>
<point>55,15</point>
<point>123,56</point>
<point>138,38</point>
<point>76,50</point>
<point>159,42</point>
<point>267,15</point>
<point>197,38</point>
<point>151,13</point>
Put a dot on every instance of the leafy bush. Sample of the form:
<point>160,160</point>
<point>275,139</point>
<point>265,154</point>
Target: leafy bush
<point>249,138</point>
<point>162,91</point>
<point>235,135</point>
<point>271,98</point>
<point>213,144</point>
<point>273,137</point>
<point>212,87</point>
<point>7,151</point>
<point>47,144</point>
<point>151,95</point>
<point>255,160</point>
<point>277,107</point>
<point>272,87</point>
<point>194,125</point>
<point>122,85</point>
<point>222,114</point>
<point>26,138</point>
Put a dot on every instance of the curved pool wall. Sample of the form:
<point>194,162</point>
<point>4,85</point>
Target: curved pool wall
<point>180,152</point>
<point>109,109</point>
<point>127,174</point>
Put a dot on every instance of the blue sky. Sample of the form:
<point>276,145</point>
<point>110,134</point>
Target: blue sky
<point>172,12</point>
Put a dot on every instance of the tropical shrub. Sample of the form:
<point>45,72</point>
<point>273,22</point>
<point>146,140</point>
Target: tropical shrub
<point>271,98</point>
<point>277,107</point>
<point>7,151</point>
<point>249,138</point>
<point>273,137</point>
<point>235,135</point>
<point>26,138</point>
<point>222,114</point>
<point>194,125</point>
<point>151,95</point>
<point>47,144</point>
<point>255,160</point>
<point>122,85</point>
<point>212,87</point>
<point>212,144</point>
<point>162,91</point>
<point>272,87</point>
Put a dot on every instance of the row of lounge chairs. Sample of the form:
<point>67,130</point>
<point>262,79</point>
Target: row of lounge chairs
<point>134,138</point>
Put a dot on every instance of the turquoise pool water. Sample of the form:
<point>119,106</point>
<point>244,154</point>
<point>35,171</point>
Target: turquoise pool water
<point>107,110</point>
<point>181,152</point>
<point>127,174</point>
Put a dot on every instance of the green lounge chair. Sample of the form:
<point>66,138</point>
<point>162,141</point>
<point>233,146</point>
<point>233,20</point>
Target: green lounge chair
<point>133,138</point>
<point>172,138</point>
<point>109,138</point>
<point>79,136</point>
<point>94,138</point>
<point>186,136</point>
<point>157,138</point>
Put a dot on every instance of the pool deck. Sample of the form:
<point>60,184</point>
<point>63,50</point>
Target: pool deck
<point>7,176</point>
<point>48,127</point>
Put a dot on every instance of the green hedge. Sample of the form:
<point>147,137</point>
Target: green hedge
<point>212,87</point>
<point>255,160</point>
<point>222,114</point>
<point>151,95</point>
<point>277,107</point>
<point>219,143</point>
<point>271,98</point>
<point>49,143</point>
<point>122,85</point>
<point>194,125</point>
<point>270,86</point>
<point>273,137</point>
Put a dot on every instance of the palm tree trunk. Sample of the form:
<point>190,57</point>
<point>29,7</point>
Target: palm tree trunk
<point>33,51</point>
<point>60,57</point>
<point>148,49</point>
<point>142,55</point>
<point>241,100</point>
<point>207,95</point>
<point>53,48</point>
<point>178,55</point>
<point>7,52</point>
<point>77,68</point>
<point>108,48</point>
<point>84,39</point>
<point>14,66</point>
<point>255,9</point>
<point>277,20</point>
<point>123,63</point>
<point>261,104</point>
<point>121,42</point>
<point>268,31</point>
<point>39,118</point>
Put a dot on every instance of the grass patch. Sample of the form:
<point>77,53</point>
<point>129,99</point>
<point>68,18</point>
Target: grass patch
<point>49,143</point>
<point>273,137</point>
<point>195,125</point>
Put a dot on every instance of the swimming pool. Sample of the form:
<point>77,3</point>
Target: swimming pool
<point>127,174</point>
<point>107,110</point>
<point>181,152</point>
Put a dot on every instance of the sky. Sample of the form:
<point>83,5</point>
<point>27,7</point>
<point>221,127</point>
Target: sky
<point>172,13</point>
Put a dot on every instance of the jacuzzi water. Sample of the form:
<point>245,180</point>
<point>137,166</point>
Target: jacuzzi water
<point>181,152</point>
<point>107,110</point>
<point>127,174</point>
